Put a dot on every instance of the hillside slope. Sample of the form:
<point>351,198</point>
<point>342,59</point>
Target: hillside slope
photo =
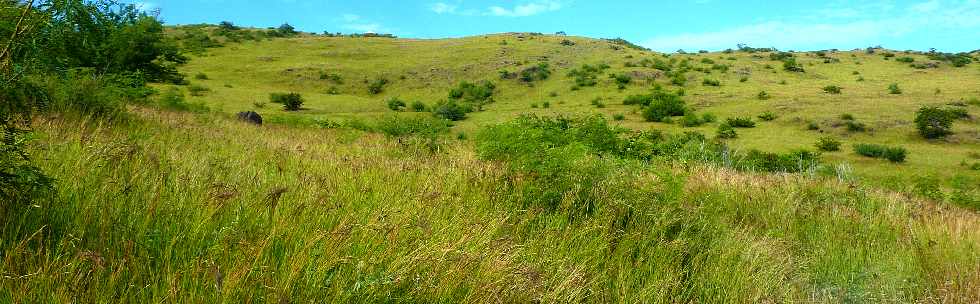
<point>333,75</point>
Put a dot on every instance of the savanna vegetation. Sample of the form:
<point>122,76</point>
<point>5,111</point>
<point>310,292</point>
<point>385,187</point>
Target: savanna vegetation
<point>479,169</point>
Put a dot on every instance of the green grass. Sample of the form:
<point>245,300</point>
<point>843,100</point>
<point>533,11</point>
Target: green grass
<point>425,70</point>
<point>315,206</point>
<point>171,207</point>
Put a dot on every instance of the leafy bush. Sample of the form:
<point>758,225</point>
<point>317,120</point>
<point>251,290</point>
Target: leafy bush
<point>791,65</point>
<point>740,122</point>
<point>377,85</point>
<point>828,144</point>
<point>679,79</point>
<point>709,118</point>
<point>201,76</point>
<point>289,101</point>
<point>587,75</point>
<point>396,104</point>
<point>622,80</point>
<point>726,131</point>
<point>893,154</point>
<point>846,116</point>
<point>854,126</point>
<point>691,119</point>
<point>474,93</point>
<point>797,161</point>
<point>767,116</point>
<point>21,183</point>
<point>197,90</point>
<point>664,105</point>
<point>711,82</point>
<point>933,122</point>
<point>905,59</point>
<point>419,106</point>
<point>763,95</point>
<point>619,117</point>
<point>173,99</point>
<point>402,126</point>
<point>535,73</point>
<point>450,110</point>
<point>894,89</point>
<point>832,89</point>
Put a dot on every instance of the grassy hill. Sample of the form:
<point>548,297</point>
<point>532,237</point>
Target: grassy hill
<point>348,200</point>
<point>333,75</point>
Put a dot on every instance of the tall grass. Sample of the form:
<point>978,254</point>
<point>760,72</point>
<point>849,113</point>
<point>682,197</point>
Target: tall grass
<point>182,208</point>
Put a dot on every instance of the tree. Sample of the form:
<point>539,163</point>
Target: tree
<point>286,30</point>
<point>934,122</point>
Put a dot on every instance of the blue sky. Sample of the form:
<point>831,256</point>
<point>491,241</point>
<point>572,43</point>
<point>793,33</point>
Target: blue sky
<point>947,25</point>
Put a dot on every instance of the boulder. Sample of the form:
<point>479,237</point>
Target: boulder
<point>250,117</point>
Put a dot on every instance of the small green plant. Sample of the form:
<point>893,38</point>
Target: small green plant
<point>933,122</point>
<point>905,59</point>
<point>418,106</point>
<point>846,116</point>
<point>197,90</point>
<point>201,76</point>
<point>767,116</point>
<point>691,119</point>
<point>664,105</point>
<point>892,154</point>
<point>377,85</point>
<point>711,82</point>
<point>726,131</point>
<point>763,95</point>
<point>740,122</point>
<point>854,126</point>
<point>894,89</point>
<point>396,104</point>
<point>832,89</point>
<point>828,144</point>
<point>450,110</point>
<point>289,101</point>
<point>709,118</point>
<point>813,126</point>
<point>546,105</point>
<point>619,117</point>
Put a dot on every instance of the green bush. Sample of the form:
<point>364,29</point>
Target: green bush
<point>763,95</point>
<point>619,117</point>
<point>664,105</point>
<point>791,65</point>
<point>726,131</point>
<point>894,89</point>
<point>905,59</point>
<point>396,104</point>
<point>893,154</point>
<point>691,119</point>
<point>933,122</point>
<point>201,76</point>
<point>832,89</point>
<point>450,110</point>
<point>767,116</point>
<point>797,161</point>
<point>377,85</point>
<point>477,94</point>
<point>197,90</point>
<point>535,73</point>
<point>828,144</point>
<point>740,122</point>
<point>419,106</point>
<point>854,126</point>
<point>587,75</point>
<point>402,126</point>
<point>709,118</point>
<point>622,80</point>
<point>289,101</point>
<point>711,82</point>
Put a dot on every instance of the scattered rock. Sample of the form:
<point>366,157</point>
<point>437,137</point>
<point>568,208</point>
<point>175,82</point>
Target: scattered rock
<point>250,117</point>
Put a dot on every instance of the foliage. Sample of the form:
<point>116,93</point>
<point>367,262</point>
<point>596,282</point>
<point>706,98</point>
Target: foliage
<point>450,110</point>
<point>477,94</point>
<point>832,89</point>
<point>377,85</point>
<point>933,122</point>
<point>711,82</point>
<point>663,105</point>
<point>893,154</point>
<point>894,89</point>
<point>289,101</point>
<point>740,122</point>
<point>535,73</point>
<point>396,104</point>
<point>767,116</point>
<point>828,144</point>
<point>726,131</point>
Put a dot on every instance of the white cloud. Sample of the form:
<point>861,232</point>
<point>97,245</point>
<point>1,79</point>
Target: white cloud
<point>443,8</point>
<point>864,25</point>
<point>524,10</point>
<point>146,6</point>
<point>360,24</point>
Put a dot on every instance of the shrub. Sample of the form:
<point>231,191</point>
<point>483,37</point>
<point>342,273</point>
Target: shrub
<point>197,90</point>
<point>709,118</point>
<point>853,126</point>
<point>401,126</point>
<point>763,95</point>
<point>767,116</point>
<point>619,117</point>
<point>933,122</point>
<point>828,144</point>
<point>905,59</point>
<point>535,73</point>
<point>792,162</point>
<point>173,99</point>
<point>894,89</point>
<point>419,106</point>
<point>832,89</point>
<point>546,105</point>
<point>711,82</point>
<point>377,85</point>
<point>289,101</point>
<point>201,76</point>
<point>396,104</point>
<point>846,116</point>
<point>597,102</point>
<point>678,79</point>
<point>621,80</point>
<point>476,94</point>
<point>791,65</point>
<point>691,119</point>
<point>740,122</point>
<point>587,75</point>
<point>893,154</point>
<point>450,110</point>
<point>664,105</point>
<point>726,131</point>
